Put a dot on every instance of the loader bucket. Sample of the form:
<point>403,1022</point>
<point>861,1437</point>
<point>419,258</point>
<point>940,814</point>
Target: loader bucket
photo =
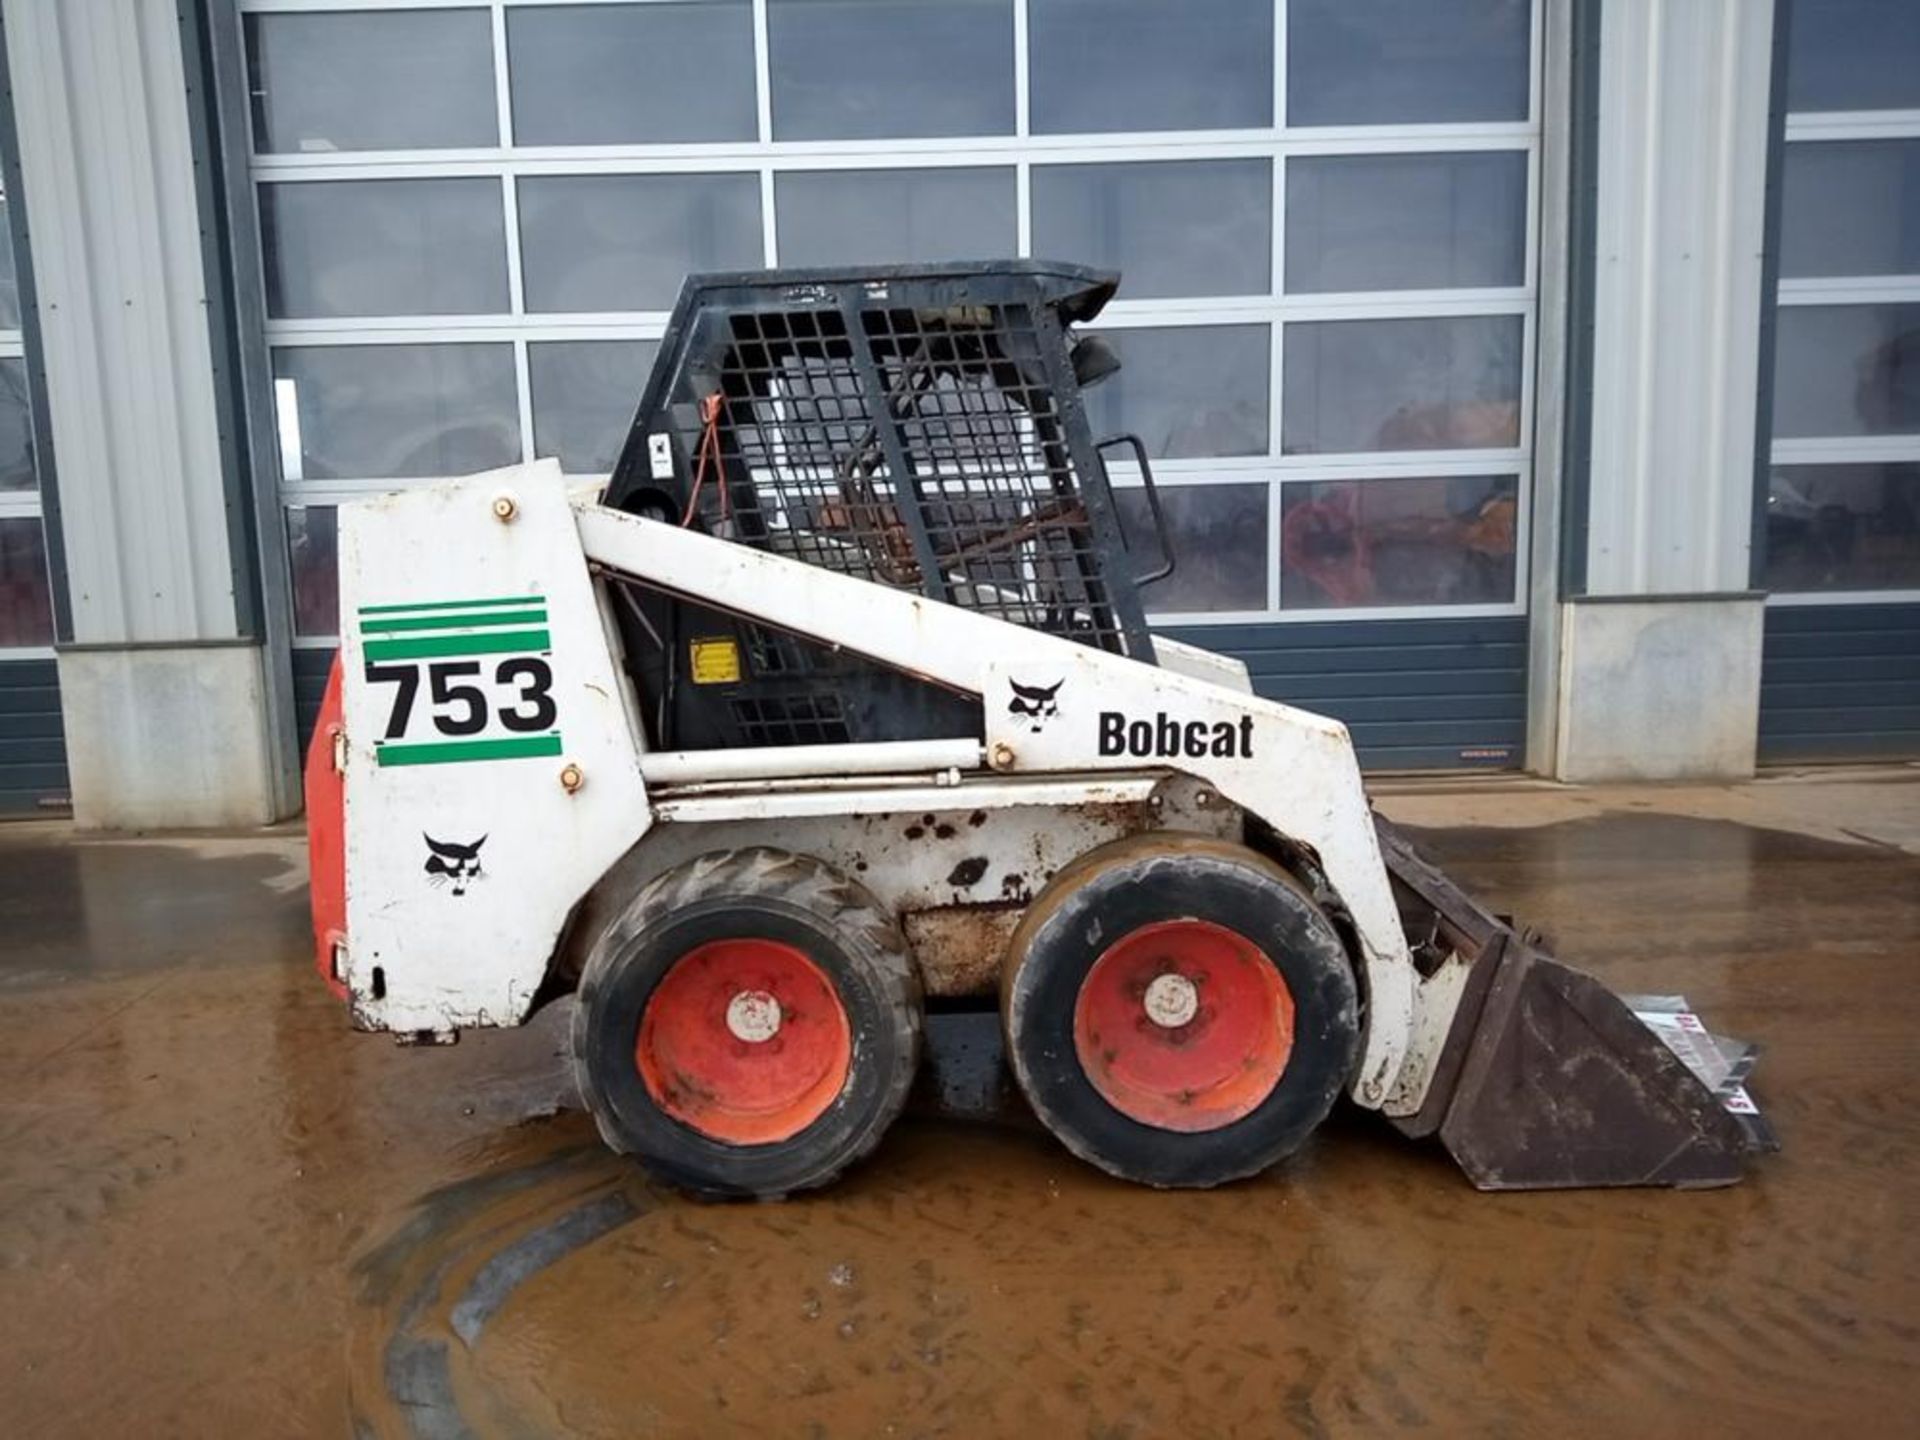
<point>1547,1080</point>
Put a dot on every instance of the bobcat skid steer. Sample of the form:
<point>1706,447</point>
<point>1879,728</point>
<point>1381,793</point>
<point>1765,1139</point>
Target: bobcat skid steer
<point>835,706</point>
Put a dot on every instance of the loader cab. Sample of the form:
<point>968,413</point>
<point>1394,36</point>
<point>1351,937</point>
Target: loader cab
<point>919,427</point>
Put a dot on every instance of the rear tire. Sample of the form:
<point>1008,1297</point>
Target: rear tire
<point>749,1025</point>
<point>1178,1010</point>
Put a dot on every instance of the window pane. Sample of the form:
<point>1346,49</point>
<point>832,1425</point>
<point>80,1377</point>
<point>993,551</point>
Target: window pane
<point>1406,222</point>
<point>9,279</point>
<point>1854,55</point>
<point>384,247</point>
<point>1187,391</point>
<point>26,604</point>
<point>614,74</point>
<point>1406,61</point>
<point>1219,535</point>
<point>1843,527</point>
<point>1398,542</point>
<point>403,80</point>
<point>1436,384</point>
<point>867,69</point>
<point>16,428</point>
<point>382,412</point>
<point>1102,65</point>
<point>1846,370</point>
<point>1180,227</point>
<point>314,555</point>
<point>844,217</point>
<point>1851,208</point>
<point>625,242</point>
<point>584,395</point>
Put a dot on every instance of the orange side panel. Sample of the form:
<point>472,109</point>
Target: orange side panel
<point>327,837</point>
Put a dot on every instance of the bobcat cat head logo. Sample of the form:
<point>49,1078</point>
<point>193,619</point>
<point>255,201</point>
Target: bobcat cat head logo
<point>455,865</point>
<point>1035,703</point>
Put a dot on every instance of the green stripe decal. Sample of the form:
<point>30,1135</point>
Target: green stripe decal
<point>446,752</point>
<point>478,620</point>
<point>454,605</point>
<point>423,647</point>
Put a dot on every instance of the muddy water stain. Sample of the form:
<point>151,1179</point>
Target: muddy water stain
<point>75,909</point>
<point>980,1282</point>
<point>193,1155</point>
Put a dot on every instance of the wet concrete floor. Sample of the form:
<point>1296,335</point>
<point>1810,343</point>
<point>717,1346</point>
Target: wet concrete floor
<point>223,1213</point>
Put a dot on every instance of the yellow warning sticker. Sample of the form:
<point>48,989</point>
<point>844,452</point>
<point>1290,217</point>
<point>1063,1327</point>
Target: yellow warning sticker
<point>715,662</point>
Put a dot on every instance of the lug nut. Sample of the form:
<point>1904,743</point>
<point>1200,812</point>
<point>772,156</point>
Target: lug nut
<point>572,777</point>
<point>505,507</point>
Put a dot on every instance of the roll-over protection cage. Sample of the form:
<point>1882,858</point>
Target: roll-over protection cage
<point>921,427</point>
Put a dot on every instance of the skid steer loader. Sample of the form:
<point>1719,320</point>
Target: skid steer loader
<point>836,706</point>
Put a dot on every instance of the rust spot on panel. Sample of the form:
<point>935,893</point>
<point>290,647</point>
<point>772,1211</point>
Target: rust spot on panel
<point>943,832</point>
<point>914,832</point>
<point>1125,816</point>
<point>958,948</point>
<point>968,872</point>
<point>977,819</point>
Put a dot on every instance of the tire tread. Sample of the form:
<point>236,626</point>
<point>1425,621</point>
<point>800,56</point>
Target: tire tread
<point>781,877</point>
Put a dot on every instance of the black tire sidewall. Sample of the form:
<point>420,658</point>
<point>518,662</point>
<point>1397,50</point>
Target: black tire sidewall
<point>1297,939</point>
<point>618,998</point>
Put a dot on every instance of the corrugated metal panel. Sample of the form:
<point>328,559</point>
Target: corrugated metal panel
<point>1417,694</point>
<point>1840,682</point>
<point>33,748</point>
<point>1682,149</point>
<point>107,165</point>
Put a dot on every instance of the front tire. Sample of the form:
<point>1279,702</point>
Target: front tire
<point>1178,1010</point>
<point>749,1025</point>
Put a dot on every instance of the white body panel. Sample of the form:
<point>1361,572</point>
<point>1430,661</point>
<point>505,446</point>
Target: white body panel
<point>1185,659</point>
<point>447,960</point>
<point>475,959</point>
<point>969,855</point>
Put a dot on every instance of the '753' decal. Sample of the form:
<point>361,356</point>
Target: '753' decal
<point>484,668</point>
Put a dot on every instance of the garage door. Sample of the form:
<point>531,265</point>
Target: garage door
<point>474,221</point>
<point>1841,664</point>
<point>33,753</point>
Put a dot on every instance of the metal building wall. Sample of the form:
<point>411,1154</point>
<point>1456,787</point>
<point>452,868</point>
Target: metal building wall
<point>1841,682</point>
<point>104,144</point>
<point>1432,694</point>
<point>1659,652</point>
<point>163,689</point>
<point>33,751</point>
<point>1683,137</point>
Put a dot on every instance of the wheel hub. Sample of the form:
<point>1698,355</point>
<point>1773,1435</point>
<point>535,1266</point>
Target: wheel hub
<point>1183,1025</point>
<point>745,1041</point>
<point>753,1016</point>
<point>1172,1000</point>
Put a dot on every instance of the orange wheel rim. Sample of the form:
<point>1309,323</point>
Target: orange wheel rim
<point>1183,1025</point>
<point>744,1041</point>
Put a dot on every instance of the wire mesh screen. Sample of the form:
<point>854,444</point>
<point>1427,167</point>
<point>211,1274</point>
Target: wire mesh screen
<point>919,447</point>
<point>916,428</point>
